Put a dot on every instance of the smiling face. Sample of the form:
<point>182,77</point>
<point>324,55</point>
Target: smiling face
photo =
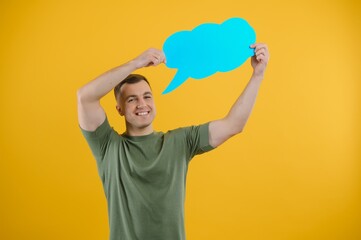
<point>136,104</point>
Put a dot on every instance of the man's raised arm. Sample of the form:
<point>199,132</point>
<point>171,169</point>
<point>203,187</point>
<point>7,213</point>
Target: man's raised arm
<point>90,113</point>
<point>234,122</point>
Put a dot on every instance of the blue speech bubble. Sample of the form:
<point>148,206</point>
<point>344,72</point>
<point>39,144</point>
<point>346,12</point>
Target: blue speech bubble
<point>207,49</point>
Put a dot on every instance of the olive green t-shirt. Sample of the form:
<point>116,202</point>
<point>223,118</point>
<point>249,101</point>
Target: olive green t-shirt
<point>144,179</point>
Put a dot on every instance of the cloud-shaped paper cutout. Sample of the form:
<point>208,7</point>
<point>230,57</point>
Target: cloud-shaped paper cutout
<point>207,49</point>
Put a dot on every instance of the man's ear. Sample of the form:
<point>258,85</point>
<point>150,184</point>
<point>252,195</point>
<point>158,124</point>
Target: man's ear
<point>119,110</point>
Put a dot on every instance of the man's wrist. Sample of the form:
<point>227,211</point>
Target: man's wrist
<point>131,65</point>
<point>257,77</point>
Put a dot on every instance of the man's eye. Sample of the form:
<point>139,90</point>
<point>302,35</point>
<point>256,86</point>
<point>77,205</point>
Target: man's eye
<point>147,97</point>
<point>130,100</point>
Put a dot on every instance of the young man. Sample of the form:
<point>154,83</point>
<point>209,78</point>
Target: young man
<point>143,172</point>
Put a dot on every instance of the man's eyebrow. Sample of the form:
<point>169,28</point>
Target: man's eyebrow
<point>130,96</point>
<point>135,96</point>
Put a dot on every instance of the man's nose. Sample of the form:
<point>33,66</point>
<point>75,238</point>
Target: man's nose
<point>141,104</point>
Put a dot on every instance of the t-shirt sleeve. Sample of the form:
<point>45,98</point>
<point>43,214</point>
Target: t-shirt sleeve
<point>198,139</point>
<point>98,142</point>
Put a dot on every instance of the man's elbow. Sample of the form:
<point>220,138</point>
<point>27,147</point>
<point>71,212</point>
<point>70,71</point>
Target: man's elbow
<point>81,96</point>
<point>78,95</point>
<point>236,131</point>
<point>240,130</point>
<point>241,124</point>
<point>238,127</point>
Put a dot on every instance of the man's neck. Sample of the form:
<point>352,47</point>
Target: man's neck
<point>134,132</point>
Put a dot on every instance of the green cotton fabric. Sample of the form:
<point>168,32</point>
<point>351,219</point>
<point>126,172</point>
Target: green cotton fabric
<point>144,179</point>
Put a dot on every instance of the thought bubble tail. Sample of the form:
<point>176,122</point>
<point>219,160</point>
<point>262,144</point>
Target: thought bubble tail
<point>178,79</point>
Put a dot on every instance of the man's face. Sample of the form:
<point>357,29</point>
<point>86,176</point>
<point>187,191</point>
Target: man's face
<point>136,104</point>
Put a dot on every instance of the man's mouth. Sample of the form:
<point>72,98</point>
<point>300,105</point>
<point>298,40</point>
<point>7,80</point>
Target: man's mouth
<point>142,113</point>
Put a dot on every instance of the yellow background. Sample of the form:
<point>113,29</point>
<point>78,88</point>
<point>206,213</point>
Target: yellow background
<point>294,173</point>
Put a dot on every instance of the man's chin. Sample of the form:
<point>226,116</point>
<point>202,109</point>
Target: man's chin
<point>142,125</point>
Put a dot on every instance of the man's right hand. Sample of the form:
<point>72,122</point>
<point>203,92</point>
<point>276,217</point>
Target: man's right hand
<point>151,57</point>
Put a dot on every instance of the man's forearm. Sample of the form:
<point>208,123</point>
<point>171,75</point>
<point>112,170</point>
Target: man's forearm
<point>103,84</point>
<point>99,87</point>
<point>242,108</point>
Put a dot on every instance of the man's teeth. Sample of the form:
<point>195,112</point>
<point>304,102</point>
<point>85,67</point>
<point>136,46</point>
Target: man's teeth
<point>142,113</point>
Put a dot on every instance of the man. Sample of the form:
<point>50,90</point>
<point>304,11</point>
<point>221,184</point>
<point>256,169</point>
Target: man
<point>143,172</point>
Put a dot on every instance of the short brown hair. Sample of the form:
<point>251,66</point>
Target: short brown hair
<point>131,79</point>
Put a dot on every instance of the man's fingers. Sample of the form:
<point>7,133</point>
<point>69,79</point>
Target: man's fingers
<point>158,56</point>
<point>259,47</point>
<point>161,57</point>
<point>156,60</point>
<point>260,57</point>
<point>260,51</point>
